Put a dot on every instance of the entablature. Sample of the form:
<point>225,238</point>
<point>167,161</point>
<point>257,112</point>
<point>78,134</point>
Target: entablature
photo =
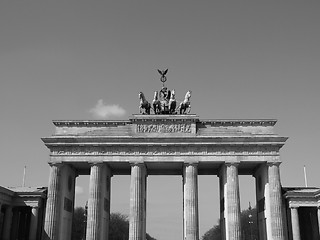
<point>164,126</point>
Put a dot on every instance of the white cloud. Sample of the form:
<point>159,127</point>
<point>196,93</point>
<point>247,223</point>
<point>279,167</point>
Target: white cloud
<point>105,111</point>
<point>78,190</point>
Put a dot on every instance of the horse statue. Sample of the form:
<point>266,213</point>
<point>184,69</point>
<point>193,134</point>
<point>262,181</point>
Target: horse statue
<point>156,103</point>
<point>172,102</point>
<point>144,104</point>
<point>183,106</point>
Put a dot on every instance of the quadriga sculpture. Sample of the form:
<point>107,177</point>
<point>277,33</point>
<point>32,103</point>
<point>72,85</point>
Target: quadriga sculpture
<point>164,102</point>
<point>144,104</point>
<point>172,102</point>
<point>185,105</point>
<point>156,104</point>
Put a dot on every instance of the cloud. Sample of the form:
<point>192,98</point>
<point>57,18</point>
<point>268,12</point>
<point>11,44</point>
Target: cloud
<point>105,111</point>
<point>78,190</point>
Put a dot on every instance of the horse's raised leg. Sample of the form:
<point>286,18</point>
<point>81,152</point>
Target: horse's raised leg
<point>148,107</point>
<point>189,108</point>
<point>154,109</point>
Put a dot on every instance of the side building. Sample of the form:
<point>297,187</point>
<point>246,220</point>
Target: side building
<point>303,212</point>
<point>22,212</point>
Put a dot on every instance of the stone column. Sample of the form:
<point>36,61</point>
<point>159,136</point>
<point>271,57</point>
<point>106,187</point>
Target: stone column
<point>107,200</point>
<point>1,225</point>
<point>95,202</point>
<point>319,218</point>
<point>275,197</point>
<point>52,216</point>
<point>33,223</point>
<point>7,223</point>
<point>232,202</point>
<point>16,215</point>
<point>137,221</point>
<point>295,223</point>
<point>22,223</point>
<point>190,202</point>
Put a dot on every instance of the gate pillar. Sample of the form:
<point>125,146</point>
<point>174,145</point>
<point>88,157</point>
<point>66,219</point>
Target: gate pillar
<point>99,202</point>
<point>137,221</point>
<point>230,201</point>
<point>60,202</point>
<point>190,202</point>
<point>295,223</point>
<point>52,216</point>
<point>275,202</point>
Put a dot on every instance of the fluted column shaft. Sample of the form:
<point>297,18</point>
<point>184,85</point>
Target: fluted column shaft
<point>7,223</point>
<point>295,223</point>
<point>190,202</point>
<point>319,218</point>
<point>16,218</point>
<point>232,198</point>
<point>33,223</point>
<point>277,224</point>
<point>51,223</point>
<point>94,203</point>
<point>137,221</point>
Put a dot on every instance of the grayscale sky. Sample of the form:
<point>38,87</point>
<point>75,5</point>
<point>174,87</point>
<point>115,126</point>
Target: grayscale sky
<point>76,59</point>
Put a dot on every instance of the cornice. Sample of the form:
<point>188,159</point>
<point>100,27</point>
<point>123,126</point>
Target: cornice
<point>89,123</point>
<point>165,118</point>
<point>163,150</point>
<point>185,140</point>
<point>302,193</point>
<point>240,122</point>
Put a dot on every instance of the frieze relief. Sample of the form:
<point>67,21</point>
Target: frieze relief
<point>164,128</point>
<point>164,150</point>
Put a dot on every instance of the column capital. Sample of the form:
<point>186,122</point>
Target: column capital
<point>293,207</point>
<point>138,163</point>
<point>232,164</point>
<point>270,164</point>
<point>56,164</point>
<point>96,163</point>
<point>191,163</point>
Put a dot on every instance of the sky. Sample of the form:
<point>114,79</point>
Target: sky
<point>79,60</point>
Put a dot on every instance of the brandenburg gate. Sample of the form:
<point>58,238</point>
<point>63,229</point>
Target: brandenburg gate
<point>165,143</point>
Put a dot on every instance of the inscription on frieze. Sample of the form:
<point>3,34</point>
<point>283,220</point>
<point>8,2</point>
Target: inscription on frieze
<point>164,128</point>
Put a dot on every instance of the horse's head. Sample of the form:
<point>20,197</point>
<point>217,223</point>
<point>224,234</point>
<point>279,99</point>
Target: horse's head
<point>188,95</point>
<point>173,94</point>
<point>141,95</point>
